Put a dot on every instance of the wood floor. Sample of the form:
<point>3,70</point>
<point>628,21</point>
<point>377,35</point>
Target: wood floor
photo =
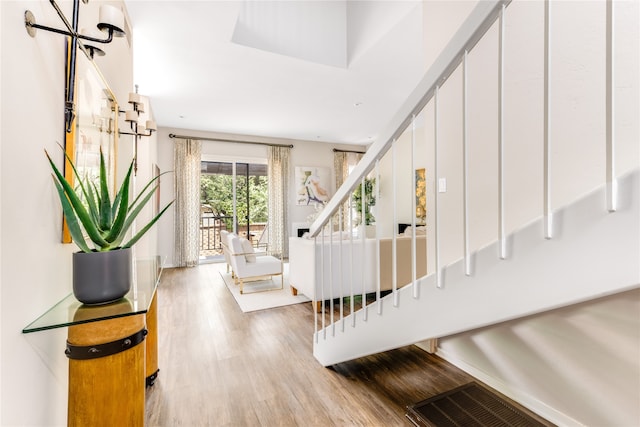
<point>222,367</point>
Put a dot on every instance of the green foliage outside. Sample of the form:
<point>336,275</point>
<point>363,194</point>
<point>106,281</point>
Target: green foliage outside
<point>369,200</point>
<point>216,192</point>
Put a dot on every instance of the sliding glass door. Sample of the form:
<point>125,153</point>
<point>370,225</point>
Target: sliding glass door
<point>233,197</point>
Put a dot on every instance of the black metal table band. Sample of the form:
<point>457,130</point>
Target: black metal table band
<point>106,349</point>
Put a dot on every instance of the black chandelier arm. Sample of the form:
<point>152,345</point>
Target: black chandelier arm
<point>72,28</point>
<point>109,39</point>
<point>135,134</point>
<point>93,39</point>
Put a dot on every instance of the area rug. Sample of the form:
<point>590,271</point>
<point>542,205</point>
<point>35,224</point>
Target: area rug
<point>253,299</point>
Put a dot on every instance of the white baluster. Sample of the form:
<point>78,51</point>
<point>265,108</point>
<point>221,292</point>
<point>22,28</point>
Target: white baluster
<point>394,249</point>
<point>548,216</point>
<point>612,190</point>
<point>465,168</point>
<point>439,283</point>
<point>502,238</point>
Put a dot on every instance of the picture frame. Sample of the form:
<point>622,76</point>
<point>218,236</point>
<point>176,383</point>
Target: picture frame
<point>94,126</point>
<point>312,185</point>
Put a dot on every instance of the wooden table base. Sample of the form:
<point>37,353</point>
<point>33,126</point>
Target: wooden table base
<point>107,390</point>
<point>151,370</point>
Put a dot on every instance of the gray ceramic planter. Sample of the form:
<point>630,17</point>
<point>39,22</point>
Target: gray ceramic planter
<point>101,277</point>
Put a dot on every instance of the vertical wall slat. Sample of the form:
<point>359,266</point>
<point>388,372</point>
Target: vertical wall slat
<point>548,217</point>
<point>610,99</point>
<point>502,238</point>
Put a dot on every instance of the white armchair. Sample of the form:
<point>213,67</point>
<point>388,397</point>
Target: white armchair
<point>224,242</point>
<point>247,265</point>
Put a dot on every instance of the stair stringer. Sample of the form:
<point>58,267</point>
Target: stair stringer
<point>593,253</point>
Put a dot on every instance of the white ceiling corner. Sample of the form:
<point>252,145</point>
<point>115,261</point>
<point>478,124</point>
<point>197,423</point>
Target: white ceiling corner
<point>302,76</point>
<point>310,30</point>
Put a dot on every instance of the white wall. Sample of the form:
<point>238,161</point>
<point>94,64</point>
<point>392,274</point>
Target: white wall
<point>580,361</point>
<point>514,362</point>
<point>35,270</point>
<point>577,115</point>
<point>304,153</point>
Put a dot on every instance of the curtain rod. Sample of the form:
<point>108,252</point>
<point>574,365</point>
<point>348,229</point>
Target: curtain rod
<point>171,135</point>
<point>337,150</point>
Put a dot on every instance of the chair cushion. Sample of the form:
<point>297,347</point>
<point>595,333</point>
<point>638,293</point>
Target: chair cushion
<point>247,249</point>
<point>266,265</point>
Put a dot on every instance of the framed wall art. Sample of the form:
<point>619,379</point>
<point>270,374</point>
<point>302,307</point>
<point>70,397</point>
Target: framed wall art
<point>312,185</point>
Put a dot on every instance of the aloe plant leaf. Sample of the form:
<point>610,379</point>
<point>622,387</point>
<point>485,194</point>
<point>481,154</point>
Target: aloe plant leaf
<point>116,201</point>
<point>72,219</point>
<point>146,228</point>
<point>105,223</point>
<point>122,205</point>
<point>78,207</point>
<point>75,173</point>
<point>92,201</point>
<point>105,200</point>
<point>133,213</point>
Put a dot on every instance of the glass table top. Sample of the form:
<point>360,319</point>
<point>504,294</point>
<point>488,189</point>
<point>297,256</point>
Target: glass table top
<point>70,311</point>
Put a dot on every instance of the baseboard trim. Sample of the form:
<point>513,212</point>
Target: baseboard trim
<point>518,396</point>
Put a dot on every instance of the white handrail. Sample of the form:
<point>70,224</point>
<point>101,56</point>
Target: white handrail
<point>471,31</point>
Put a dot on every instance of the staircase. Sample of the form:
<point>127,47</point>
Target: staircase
<point>572,246</point>
<point>538,275</point>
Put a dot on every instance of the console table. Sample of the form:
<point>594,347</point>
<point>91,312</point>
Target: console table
<point>112,351</point>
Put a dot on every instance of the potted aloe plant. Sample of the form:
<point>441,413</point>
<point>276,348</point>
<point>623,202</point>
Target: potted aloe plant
<point>102,270</point>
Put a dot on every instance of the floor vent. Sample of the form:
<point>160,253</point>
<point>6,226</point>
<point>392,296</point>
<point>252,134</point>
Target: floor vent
<point>469,405</point>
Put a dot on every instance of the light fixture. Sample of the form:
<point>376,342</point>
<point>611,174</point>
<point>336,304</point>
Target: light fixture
<point>111,21</point>
<point>92,50</point>
<point>139,127</point>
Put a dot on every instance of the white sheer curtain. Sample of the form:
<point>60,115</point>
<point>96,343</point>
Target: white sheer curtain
<point>343,162</point>
<point>278,171</point>
<point>187,153</point>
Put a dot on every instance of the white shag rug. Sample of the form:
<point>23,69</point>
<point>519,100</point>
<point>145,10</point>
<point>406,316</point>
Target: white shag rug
<point>257,297</point>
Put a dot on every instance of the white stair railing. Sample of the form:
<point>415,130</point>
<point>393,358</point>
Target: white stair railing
<point>337,277</point>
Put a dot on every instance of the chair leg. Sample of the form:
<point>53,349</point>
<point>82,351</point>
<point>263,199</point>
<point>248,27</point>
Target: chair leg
<point>294,291</point>
<point>241,286</point>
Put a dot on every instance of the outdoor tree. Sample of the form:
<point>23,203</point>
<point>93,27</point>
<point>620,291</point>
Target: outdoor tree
<point>216,192</point>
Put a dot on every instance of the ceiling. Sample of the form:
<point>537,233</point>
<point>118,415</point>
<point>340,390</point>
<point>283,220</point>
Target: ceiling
<point>329,71</point>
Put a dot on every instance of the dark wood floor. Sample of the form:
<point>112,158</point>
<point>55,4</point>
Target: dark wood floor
<point>222,367</point>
